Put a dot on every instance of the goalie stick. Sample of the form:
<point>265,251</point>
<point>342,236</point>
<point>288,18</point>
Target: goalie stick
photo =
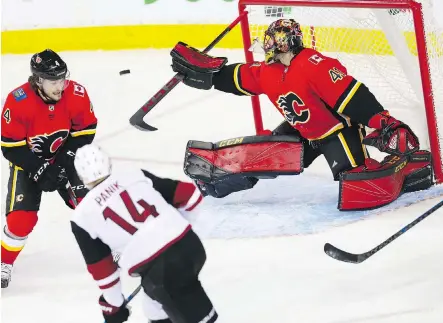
<point>341,255</point>
<point>137,119</point>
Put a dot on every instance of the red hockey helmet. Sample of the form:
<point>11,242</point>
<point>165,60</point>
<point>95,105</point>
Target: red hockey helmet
<point>282,36</point>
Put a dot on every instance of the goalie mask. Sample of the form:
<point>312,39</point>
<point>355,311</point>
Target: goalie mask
<point>282,36</point>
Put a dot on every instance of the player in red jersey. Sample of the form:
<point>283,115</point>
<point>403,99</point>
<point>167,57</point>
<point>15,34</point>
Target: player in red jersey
<point>325,108</point>
<point>44,122</point>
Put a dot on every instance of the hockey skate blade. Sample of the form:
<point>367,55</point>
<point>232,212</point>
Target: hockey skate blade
<point>341,255</point>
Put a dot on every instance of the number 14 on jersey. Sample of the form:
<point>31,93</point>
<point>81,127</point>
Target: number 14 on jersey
<point>108,213</point>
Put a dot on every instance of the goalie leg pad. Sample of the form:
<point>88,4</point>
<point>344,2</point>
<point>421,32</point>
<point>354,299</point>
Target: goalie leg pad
<point>236,164</point>
<point>377,184</point>
<point>372,185</point>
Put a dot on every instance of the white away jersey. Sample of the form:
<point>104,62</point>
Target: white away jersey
<point>126,213</point>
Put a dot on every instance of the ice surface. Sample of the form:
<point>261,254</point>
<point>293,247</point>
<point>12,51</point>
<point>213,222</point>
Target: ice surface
<point>265,246</point>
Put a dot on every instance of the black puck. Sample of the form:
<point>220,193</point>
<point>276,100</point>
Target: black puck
<point>124,72</point>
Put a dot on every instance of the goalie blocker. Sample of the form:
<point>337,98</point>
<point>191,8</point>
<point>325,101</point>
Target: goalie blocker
<point>237,164</point>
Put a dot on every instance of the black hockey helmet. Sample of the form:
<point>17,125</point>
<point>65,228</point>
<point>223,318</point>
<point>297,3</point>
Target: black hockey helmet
<point>48,65</point>
<point>282,36</point>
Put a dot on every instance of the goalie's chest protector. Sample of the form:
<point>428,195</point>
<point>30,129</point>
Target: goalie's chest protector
<point>294,95</point>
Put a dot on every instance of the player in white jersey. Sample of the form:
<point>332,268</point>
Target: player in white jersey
<point>138,215</point>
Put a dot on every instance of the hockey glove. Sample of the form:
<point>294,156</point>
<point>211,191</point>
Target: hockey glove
<point>197,67</point>
<point>114,314</point>
<point>65,158</point>
<point>391,135</point>
<point>50,177</point>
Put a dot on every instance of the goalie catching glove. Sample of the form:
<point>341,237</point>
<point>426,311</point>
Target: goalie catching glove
<point>197,67</point>
<point>391,135</point>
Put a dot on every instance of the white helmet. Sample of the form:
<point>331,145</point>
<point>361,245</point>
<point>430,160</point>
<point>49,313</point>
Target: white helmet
<point>92,164</point>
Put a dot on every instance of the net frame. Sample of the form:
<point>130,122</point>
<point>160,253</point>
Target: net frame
<point>416,9</point>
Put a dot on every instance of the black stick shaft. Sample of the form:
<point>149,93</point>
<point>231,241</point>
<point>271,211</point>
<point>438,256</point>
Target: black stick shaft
<point>71,194</point>
<point>406,228</point>
<point>345,256</point>
<point>137,119</point>
<point>130,297</point>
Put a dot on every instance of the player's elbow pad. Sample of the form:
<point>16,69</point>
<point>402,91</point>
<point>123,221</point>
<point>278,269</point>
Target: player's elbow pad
<point>361,107</point>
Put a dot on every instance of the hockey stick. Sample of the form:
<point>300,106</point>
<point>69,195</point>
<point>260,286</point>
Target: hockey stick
<point>130,297</point>
<point>133,294</point>
<point>71,194</point>
<point>137,119</point>
<point>341,255</point>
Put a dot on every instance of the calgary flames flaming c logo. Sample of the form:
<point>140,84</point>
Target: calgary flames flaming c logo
<point>287,104</point>
<point>47,145</point>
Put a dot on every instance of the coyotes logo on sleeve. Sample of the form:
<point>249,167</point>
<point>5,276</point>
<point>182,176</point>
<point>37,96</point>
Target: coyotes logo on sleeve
<point>47,145</point>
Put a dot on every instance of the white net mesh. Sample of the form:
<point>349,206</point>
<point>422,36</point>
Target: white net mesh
<point>378,47</point>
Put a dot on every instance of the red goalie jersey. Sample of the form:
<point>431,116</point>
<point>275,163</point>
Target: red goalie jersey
<point>312,94</point>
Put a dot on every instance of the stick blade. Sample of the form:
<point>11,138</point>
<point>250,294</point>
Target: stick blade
<point>141,125</point>
<point>341,255</point>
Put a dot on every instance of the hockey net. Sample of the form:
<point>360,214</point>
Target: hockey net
<point>394,46</point>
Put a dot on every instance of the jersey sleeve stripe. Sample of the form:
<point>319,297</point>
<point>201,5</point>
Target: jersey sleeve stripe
<point>109,281</point>
<point>109,285</point>
<point>350,93</point>
<point>197,202</point>
<point>13,143</point>
<point>113,294</point>
<point>187,196</point>
<point>237,80</point>
<point>104,269</point>
<point>83,132</point>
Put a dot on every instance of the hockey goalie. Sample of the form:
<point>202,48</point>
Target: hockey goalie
<point>326,112</point>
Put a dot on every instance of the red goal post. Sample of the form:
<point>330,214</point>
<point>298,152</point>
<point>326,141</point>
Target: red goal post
<point>397,44</point>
